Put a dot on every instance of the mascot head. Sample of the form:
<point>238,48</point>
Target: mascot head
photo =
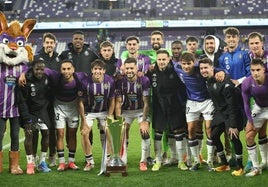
<point>13,38</point>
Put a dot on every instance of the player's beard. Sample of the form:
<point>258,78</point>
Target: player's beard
<point>131,76</point>
<point>156,46</point>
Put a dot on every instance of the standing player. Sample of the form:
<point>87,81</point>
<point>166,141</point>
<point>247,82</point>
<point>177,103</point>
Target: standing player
<point>33,100</point>
<point>236,60</point>
<point>80,53</point>
<point>227,115</point>
<point>98,94</point>
<point>255,86</point>
<point>52,61</point>
<point>168,113</point>
<point>132,102</point>
<point>143,61</point>
<point>198,102</point>
<point>67,85</point>
<point>176,50</point>
<point>108,56</point>
<point>256,47</point>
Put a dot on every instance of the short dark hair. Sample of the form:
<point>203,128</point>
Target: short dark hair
<point>132,38</point>
<point>37,61</point>
<point>206,61</point>
<point>78,32</point>
<point>98,62</point>
<point>162,51</point>
<point>255,34</point>
<point>50,36</point>
<point>257,61</point>
<point>67,61</point>
<point>187,56</point>
<point>177,42</point>
<point>191,39</point>
<point>232,31</point>
<point>209,37</point>
<point>130,60</point>
<point>156,32</point>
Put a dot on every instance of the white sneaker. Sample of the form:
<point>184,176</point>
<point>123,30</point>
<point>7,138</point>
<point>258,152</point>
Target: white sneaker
<point>88,166</point>
<point>255,171</point>
<point>52,161</point>
<point>170,161</point>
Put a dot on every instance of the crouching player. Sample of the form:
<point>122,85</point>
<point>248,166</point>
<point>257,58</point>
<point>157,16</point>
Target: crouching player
<point>227,116</point>
<point>33,99</point>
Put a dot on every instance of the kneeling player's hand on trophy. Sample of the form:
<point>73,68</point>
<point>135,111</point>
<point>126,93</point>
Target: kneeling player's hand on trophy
<point>144,127</point>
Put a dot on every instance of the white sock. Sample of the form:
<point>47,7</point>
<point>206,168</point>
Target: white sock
<point>145,147</point>
<point>158,150</point>
<point>42,157</point>
<point>179,145</point>
<point>252,153</point>
<point>30,159</point>
<point>172,147</point>
<point>263,152</point>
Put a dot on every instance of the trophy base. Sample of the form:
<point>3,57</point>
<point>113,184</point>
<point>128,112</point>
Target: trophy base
<point>116,169</point>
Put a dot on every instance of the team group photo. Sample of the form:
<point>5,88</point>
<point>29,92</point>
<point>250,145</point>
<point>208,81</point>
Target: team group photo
<point>152,106</point>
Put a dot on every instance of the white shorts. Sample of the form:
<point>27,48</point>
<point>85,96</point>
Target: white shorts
<point>259,115</point>
<point>194,109</point>
<point>131,115</point>
<point>66,112</point>
<point>101,116</point>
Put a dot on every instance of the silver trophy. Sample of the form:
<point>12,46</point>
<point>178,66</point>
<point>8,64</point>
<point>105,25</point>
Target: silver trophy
<point>115,134</point>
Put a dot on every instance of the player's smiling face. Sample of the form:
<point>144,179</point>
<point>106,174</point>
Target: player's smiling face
<point>98,73</point>
<point>206,70</point>
<point>162,61</point>
<point>67,70</point>
<point>187,67</point>
<point>256,46</point>
<point>131,71</point>
<point>232,41</point>
<point>132,46</point>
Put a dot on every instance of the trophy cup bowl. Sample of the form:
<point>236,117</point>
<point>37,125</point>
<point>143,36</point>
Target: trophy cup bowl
<point>115,164</point>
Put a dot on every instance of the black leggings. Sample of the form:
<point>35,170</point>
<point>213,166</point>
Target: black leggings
<point>14,132</point>
<point>216,132</point>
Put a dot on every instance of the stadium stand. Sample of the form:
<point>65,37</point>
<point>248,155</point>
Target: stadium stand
<point>84,10</point>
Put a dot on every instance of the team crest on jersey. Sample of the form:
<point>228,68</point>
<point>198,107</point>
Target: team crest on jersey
<point>10,80</point>
<point>138,85</point>
<point>240,55</point>
<point>69,55</point>
<point>154,80</point>
<point>105,86</point>
<point>86,53</point>
<point>140,61</point>
<point>33,90</point>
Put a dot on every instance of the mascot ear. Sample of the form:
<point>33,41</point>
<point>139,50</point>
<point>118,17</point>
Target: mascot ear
<point>28,26</point>
<point>3,22</point>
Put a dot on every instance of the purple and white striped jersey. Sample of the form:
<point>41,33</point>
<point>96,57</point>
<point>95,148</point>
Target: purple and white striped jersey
<point>132,92</point>
<point>8,81</point>
<point>143,63</point>
<point>98,94</point>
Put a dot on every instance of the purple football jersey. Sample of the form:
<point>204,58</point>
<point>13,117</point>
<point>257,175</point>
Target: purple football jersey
<point>132,92</point>
<point>8,81</point>
<point>98,94</point>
